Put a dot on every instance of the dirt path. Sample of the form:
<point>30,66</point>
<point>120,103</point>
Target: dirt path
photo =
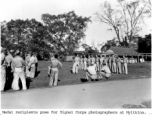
<point>109,94</point>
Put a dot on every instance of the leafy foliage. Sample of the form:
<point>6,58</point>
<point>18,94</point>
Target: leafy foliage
<point>60,34</point>
<point>144,44</point>
<point>66,30</point>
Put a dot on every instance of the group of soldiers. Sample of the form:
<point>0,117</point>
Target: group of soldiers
<point>114,63</point>
<point>14,67</point>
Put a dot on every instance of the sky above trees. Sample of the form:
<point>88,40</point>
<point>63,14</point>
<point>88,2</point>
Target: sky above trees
<point>28,9</point>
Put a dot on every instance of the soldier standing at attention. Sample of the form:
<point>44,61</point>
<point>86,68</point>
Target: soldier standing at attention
<point>101,61</point>
<point>85,62</point>
<point>31,66</point>
<point>55,65</point>
<point>18,68</point>
<point>92,60</point>
<point>114,70</point>
<point>97,62</point>
<point>110,61</point>
<point>88,61</point>
<point>81,63</point>
<point>118,61</point>
<point>36,62</point>
<point>125,65</point>
<point>27,60</point>
<point>75,64</point>
<point>9,73</point>
<point>3,68</point>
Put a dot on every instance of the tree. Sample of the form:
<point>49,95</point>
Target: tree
<point>125,19</point>
<point>144,44</point>
<point>25,35</point>
<point>66,30</point>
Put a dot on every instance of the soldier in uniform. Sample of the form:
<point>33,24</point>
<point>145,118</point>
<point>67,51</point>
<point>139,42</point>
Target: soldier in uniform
<point>36,62</point>
<point>125,65</point>
<point>101,61</point>
<point>75,64</point>
<point>92,60</point>
<point>110,62</point>
<point>88,61</point>
<point>97,62</point>
<point>85,62</point>
<point>3,68</point>
<point>9,73</point>
<point>118,64</point>
<point>55,65</point>
<point>18,65</point>
<point>105,71</point>
<point>27,60</point>
<point>81,63</point>
<point>114,70</point>
<point>31,66</point>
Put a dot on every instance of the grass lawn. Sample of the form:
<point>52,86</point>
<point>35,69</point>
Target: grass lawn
<point>137,70</point>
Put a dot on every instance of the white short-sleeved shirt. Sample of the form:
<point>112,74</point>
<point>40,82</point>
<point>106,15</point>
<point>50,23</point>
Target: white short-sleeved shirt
<point>92,69</point>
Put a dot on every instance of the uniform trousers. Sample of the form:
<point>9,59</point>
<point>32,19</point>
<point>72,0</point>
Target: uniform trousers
<point>32,72</point>
<point>19,73</point>
<point>75,67</point>
<point>119,68</point>
<point>110,65</point>
<point>85,65</point>
<point>97,66</point>
<point>114,67</point>
<point>125,68</point>
<point>54,77</point>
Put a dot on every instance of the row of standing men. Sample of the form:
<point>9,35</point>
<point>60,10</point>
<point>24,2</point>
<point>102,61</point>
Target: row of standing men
<point>15,67</point>
<point>114,62</point>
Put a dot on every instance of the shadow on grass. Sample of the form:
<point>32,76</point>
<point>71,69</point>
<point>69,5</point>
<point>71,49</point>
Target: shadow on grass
<point>83,80</point>
<point>145,104</point>
<point>37,73</point>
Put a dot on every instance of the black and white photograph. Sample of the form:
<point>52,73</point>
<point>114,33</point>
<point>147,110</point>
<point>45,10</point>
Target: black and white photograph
<point>75,54</point>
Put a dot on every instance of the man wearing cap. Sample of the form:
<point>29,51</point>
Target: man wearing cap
<point>9,59</point>
<point>3,68</point>
<point>55,65</point>
<point>18,65</point>
<point>105,71</point>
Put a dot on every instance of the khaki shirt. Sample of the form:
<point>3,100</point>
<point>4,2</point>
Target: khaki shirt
<point>76,59</point>
<point>125,60</point>
<point>18,62</point>
<point>92,59</point>
<point>55,63</point>
<point>9,59</point>
<point>27,59</point>
<point>92,69</point>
